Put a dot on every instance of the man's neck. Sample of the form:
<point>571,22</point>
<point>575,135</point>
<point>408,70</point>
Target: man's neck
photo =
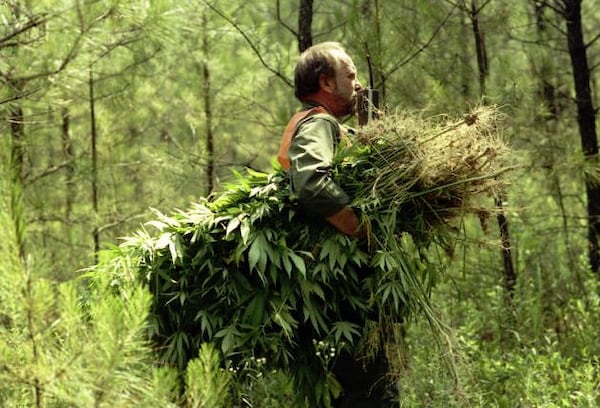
<point>323,99</point>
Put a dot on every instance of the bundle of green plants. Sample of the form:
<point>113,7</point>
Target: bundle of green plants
<point>246,270</point>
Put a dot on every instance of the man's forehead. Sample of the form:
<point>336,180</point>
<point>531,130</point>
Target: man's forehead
<point>344,61</point>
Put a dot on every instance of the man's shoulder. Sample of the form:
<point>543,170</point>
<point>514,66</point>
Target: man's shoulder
<point>320,119</point>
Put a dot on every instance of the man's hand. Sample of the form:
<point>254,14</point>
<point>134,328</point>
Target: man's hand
<point>347,221</point>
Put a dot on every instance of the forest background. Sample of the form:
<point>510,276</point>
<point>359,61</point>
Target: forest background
<point>111,108</point>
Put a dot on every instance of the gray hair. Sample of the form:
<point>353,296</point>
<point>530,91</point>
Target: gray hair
<point>314,61</point>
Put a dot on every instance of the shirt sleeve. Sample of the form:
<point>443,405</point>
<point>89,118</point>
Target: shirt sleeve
<point>311,154</point>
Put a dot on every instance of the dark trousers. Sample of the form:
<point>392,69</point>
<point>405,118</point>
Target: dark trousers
<point>365,383</point>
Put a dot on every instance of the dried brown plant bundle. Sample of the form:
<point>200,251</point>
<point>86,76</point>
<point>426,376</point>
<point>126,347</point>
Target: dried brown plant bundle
<point>431,169</point>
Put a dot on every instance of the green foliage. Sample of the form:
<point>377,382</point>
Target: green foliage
<point>234,271</point>
<point>207,384</point>
<point>56,350</point>
<point>246,272</point>
<point>267,388</point>
<point>540,349</point>
<point>502,365</point>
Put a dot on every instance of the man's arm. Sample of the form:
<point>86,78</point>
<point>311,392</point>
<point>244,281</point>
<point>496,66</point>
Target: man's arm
<point>311,154</point>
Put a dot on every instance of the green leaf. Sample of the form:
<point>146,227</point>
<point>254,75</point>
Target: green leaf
<point>345,329</point>
<point>205,322</point>
<point>284,320</point>
<point>257,257</point>
<point>175,247</point>
<point>159,225</point>
<point>163,241</point>
<point>233,224</point>
<point>287,264</point>
<point>309,287</point>
<point>245,231</point>
<point>313,313</point>
<point>299,263</point>
<point>255,310</point>
<point>229,335</point>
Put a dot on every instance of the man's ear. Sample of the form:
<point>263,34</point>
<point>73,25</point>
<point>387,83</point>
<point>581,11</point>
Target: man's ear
<point>327,83</point>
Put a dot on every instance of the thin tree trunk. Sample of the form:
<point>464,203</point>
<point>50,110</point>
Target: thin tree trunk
<point>586,119</point>
<point>67,149</point>
<point>37,386</point>
<point>17,157</point>
<point>371,13</point>
<point>305,16</point>
<point>210,148</point>
<point>94,139</point>
<point>17,172</point>
<point>510,276</point>
<point>466,73</point>
<point>552,98</point>
<point>548,90</point>
<point>482,59</point>
<point>17,178</point>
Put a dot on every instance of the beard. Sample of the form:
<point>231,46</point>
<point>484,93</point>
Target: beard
<point>347,104</point>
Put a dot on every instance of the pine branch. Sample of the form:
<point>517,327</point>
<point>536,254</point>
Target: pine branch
<point>249,41</point>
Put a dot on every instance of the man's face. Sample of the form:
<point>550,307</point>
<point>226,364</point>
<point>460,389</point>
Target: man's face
<point>346,85</point>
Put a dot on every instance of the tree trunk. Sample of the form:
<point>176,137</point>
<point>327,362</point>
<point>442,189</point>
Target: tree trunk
<point>510,276</point>
<point>482,59</point>
<point>94,139</point>
<point>17,170</point>
<point>586,119</point>
<point>554,99</point>
<point>466,75</point>
<point>371,15</point>
<point>549,91</point>
<point>210,149</point>
<point>305,17</point>
<point>67,149</point>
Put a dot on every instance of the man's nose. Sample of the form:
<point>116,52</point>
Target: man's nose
<point>357,86</point>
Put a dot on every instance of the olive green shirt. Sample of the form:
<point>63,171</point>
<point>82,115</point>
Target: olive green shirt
<point>311,154</point>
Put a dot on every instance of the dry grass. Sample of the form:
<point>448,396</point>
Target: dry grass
<point>437,164</point>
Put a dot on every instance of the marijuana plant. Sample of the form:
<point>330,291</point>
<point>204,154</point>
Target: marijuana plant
<point>246,271</point>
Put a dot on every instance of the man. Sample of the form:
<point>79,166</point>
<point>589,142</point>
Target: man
<point>326,83</point>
